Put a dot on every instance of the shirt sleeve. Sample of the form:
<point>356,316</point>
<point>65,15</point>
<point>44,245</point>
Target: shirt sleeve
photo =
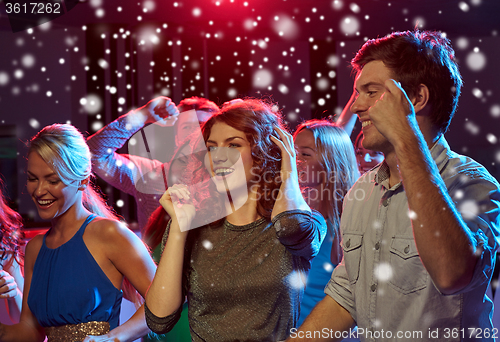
<point>120,170</point>
<point>161,325</point>
<point>340,290</point>
<point>477,198</point>
<point>300,231</point>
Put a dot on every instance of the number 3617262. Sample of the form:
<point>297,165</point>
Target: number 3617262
<point>33,7</point>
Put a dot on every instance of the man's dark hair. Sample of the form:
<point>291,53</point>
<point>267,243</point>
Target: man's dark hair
<point>419,57</point>
<point>197,103</point>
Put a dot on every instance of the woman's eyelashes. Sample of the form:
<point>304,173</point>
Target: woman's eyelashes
<point>50,181</point>
<point>230,145</point>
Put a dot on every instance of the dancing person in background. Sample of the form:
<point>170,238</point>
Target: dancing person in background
<point>123,171</point>
<point>241,273</point>
<point>326,157</point>
<point>11,259</point>
<point>77,268</point>
<point>367,159</point>
<point>417,259</point>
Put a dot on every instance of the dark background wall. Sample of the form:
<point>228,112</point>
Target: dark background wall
<point>102,58</point>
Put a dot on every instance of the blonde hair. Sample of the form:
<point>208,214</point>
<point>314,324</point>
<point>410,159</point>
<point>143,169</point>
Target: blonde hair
<point>64,148</point>
<point>336,155</point>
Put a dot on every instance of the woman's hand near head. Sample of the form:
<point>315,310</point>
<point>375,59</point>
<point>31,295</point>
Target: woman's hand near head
<point>288,153</point>
<point>290,196</point>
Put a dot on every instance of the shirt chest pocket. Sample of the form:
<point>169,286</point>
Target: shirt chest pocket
<point>352,255</point>
<point>408,272</point>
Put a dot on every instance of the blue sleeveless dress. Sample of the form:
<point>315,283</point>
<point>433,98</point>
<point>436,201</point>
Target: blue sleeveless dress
<point>69,287</point>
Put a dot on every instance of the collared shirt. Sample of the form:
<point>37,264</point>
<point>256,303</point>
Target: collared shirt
<point>382,281</point>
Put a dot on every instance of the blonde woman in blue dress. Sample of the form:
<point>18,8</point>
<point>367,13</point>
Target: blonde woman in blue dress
<point>77,268</point>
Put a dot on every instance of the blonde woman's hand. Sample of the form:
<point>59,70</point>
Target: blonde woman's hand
<point>102,338</point>
<point>8,285</point>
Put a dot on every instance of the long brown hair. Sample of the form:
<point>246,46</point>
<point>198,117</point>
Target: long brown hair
<point>11,234</point>
<point>256,118</point>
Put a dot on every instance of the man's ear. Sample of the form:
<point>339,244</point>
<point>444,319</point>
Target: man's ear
<point>421,99</point>
<point>84,183</point>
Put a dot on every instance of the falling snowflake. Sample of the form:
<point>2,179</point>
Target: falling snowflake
<point>297,279</point>
<point>495,111</point>
<point>491,138</point>
<point>92,103</point>
<point>196,12</point>
<point>322,84</point>
<point>472,128</point>
<point>97,125</point>
<point>463,6</point>
<point>34,123</point>
<point>476,60</point>
<point>286,27</point>
<point>149,5</point>
<point>383,272</point>
<point>18,74</point>
<point>469,209</point>
<point>207,245</point>
<point>102,63</point>
<point>354,7</point>
<point>459,194</point>
<point>328,267</point>
<point>283,88</point>
<point>262,78</point>
<point>462,43</point>
<point>349,25</point>
<point>477,92</point>
<point>337,4</point>
<point>28,60</point>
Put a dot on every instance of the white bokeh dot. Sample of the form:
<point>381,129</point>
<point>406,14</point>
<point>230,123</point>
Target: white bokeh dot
<point>383,272</point>
<point>349,25</point>
<point>4,78</point>
<point>262,78</point>
<point>476,61</point>
<point>495,111</point>
<point>28,60</point>
<point>207,244</point>
<point>469,209</point>
<point>34,123</point>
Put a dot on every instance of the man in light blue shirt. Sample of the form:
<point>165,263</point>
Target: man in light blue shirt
<point>421,230</point>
